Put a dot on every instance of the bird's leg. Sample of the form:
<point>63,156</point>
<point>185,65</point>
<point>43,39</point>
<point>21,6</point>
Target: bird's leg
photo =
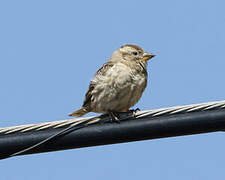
<point>134,111</point>
<point>114,117</point>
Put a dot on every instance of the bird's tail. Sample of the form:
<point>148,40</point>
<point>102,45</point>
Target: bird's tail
<point>82,111</point>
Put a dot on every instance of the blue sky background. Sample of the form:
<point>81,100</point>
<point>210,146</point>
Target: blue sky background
<point>50,50</point>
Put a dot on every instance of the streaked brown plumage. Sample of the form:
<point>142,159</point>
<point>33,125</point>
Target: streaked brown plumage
<point>119,83</point>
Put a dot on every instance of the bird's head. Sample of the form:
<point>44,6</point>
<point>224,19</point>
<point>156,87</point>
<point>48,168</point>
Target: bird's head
<point>130,52</point>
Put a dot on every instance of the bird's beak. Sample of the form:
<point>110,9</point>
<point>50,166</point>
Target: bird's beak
<point>147,56</point>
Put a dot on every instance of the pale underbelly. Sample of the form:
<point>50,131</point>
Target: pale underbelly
<point>118,99</point>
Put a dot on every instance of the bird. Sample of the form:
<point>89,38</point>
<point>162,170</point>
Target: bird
<point>118,84</point>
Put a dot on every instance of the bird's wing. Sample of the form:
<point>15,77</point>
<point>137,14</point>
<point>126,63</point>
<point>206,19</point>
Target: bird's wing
<point>104,68</point>
<point>101,72</point>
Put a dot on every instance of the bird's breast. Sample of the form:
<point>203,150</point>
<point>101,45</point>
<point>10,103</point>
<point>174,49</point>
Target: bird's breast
<point>120,88</point>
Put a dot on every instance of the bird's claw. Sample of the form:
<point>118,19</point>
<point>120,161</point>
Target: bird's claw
<point>134,111</point>
<point>114,117</point>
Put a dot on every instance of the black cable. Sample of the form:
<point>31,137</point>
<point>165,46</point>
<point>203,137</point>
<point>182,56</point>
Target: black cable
<point>141,128</point>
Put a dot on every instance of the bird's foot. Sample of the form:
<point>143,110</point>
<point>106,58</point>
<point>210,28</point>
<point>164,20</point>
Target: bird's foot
<point>114,117</point>
<point>134,111</point>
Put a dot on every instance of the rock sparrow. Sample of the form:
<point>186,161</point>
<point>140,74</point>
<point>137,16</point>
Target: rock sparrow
<point>119,83</point>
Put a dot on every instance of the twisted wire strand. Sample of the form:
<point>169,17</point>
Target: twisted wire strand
<point>90,120</point>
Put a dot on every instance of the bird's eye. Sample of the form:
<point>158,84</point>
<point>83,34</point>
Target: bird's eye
<point>134,53</point>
